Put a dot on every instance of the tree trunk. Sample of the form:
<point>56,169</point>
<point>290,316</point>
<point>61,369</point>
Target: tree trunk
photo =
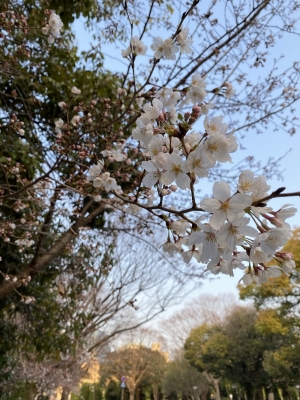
<point>217,388</point>
<point>203,395</point>
<point>271,396</point>
<point>215,382</point>
<point>65,393</point>
<point>31,391</point>
<point>131,395</point>
<point>155,390</point>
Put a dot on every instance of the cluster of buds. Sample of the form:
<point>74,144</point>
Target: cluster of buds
<point>53,27</point>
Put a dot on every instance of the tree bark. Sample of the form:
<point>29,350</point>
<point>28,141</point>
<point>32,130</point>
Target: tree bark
<point>155,390</point>
<point>131,395</point>
<point>65,393</point>
<point>215,382</point>
<point>203,395</point>
<point>31,391</point>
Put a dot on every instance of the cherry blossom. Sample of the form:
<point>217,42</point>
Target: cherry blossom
<point>198,162</point>
<point>215,126</point>
<point>184,42</point>
<point>176,170</point>
<point>224,206</point>
<point>207,237</point>
<point>233,232</point>
<point>271,240</point>
<point>217,148</point>
<point>153,174</point>
<point>144,131</point>
<point>137,47</point>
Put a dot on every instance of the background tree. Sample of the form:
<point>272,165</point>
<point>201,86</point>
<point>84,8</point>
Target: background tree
<point>182,378</point>
<point>278,305</point>
<point>71,323</point>
<point>251,350</point>
<point>203,309</point>
<point>137,363</point>
<point>206,348</point>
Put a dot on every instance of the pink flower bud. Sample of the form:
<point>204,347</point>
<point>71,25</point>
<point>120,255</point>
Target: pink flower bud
<point>161,117</point>
<point>187,147</point>
<point>196,109</point>
<point>128,161</point>
<point>173,188</point>
<point>286,256</point>
<point>187,116</point>
<point>164,192</point>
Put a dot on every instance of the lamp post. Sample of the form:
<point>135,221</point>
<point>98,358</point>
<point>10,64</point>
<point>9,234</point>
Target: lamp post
<point>234,387</point>
<point>298,387</point>
<point>123,386</point>
<point>195,388</point>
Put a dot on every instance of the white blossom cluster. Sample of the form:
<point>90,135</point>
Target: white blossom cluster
<point>227,241</point>
<point>103,180</point>
<point>53,28</point>
<point>162,48</point>
<point>222,236</point>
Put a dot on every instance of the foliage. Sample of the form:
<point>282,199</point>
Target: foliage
<point>88,392</point>
<point>141,366</point>
<point>181,377</point>
<point>248,350</point>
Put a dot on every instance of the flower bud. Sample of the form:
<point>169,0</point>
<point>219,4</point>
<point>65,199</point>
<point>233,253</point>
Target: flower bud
<point>187,116</point>
<point>187,147</point>
<point>173,188</point>
<point>286,256</point>
<point>196,109</point>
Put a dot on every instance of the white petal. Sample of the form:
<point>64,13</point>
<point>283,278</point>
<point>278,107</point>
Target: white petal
<point>151,179</point>
<point>217,219</point>
<point>167,177</point>
<point>221,191</point>
<point>149,166</point>
<point>210,205</point>
<point>183,181</point>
